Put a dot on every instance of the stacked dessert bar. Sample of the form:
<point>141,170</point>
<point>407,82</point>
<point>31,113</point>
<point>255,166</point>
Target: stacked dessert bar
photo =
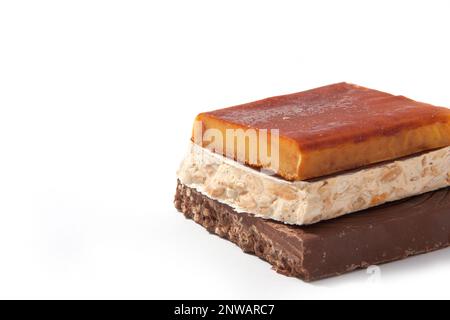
<point>322,182</point>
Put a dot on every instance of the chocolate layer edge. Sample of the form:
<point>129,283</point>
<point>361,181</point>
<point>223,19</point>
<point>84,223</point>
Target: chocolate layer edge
<point>387,233</point>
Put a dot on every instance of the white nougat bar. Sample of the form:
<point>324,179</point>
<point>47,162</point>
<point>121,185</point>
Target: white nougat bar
<point>307,202</point>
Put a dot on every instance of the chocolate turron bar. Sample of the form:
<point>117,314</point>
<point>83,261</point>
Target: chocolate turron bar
<point>322,182</point>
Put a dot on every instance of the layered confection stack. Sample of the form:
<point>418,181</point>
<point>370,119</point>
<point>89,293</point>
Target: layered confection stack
<point>322,182</point>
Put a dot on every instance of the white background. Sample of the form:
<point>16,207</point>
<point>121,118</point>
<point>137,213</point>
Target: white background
<point>97,100</point>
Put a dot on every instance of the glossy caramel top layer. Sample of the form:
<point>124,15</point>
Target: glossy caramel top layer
<point>327,130</point>
<point>333,115</point>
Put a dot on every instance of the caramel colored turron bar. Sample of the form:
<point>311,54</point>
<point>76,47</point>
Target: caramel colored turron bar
<point>332,129</point>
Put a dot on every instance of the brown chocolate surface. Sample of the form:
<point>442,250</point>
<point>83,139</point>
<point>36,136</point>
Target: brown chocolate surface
<point>389,232</point>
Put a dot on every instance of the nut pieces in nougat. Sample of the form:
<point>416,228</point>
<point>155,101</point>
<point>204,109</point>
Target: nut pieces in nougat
<point>304,158</point>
